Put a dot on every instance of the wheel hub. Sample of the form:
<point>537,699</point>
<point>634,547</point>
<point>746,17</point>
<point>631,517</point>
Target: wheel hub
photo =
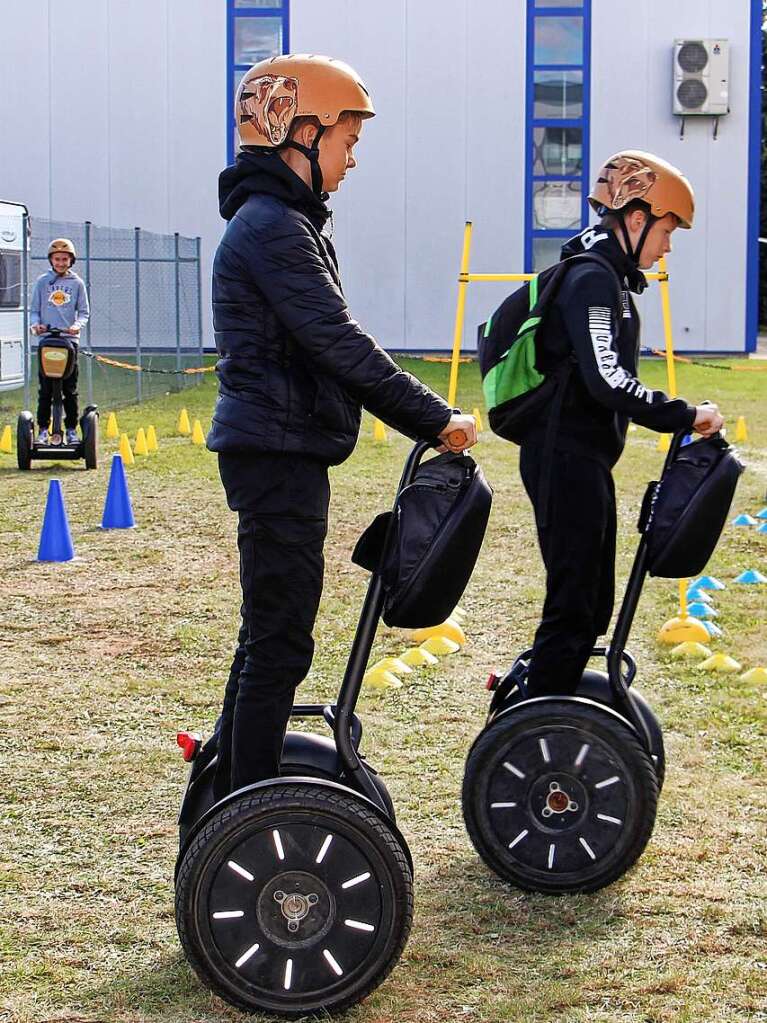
<point>558,801</point>
<point>295,908</point>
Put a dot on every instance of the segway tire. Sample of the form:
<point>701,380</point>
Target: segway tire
<point>90,430</point>
<point>25,433</point>
<point>559,797</point>
<point>294,899</point>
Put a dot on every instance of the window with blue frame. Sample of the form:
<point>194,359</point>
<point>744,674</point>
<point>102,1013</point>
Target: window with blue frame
<point>255,30</point>
<point>556,126</point>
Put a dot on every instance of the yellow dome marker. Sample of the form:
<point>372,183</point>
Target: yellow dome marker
<point>198,437</point>
<point>741,430</point>
<point>682,630</point>
<point>417,657</point>
<point>451,629</point>
<point>664,442</point>
<point>151,439</point>
<point>113,430</point>
<point>126,451</point>
<point>183,426</point>
<point>478,417</point>
<point>690,651</point>
<point>758,674</point>
<point>378,679</point>
<point>721,663</point>
<point>393,664</point>
<point>6,441</point>
<point>379,432</point>
<point>439,645</point>
<point>140,448</point>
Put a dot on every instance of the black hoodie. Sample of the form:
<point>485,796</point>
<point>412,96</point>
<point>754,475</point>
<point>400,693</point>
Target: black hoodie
<point>294,367</point>
<point>605,393</point>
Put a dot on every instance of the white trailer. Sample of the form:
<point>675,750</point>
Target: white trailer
<point>13,295</point>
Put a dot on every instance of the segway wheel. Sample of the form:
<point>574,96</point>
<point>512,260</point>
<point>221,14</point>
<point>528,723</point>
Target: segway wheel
<point>25,438</point>
<point>294,899</point>
<point>559,797</point>
<point>90,431</point>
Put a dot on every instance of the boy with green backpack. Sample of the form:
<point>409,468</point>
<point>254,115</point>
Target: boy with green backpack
<point>559,363</point>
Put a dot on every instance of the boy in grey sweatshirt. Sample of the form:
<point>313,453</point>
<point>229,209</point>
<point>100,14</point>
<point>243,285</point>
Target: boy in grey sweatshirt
<point>60,300</point>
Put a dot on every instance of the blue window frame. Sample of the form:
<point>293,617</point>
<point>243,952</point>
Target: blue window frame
<point>255,30</point>
<point>556,126</point>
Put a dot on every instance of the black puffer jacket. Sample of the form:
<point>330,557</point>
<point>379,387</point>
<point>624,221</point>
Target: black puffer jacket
<point>294,367</point>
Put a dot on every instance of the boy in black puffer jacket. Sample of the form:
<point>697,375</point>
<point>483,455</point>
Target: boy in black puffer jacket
<point>294,372</point>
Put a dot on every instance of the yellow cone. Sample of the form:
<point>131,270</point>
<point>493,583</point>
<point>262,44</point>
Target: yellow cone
<point>754,675</point>
<point>6,441</point>
<point>183,425</point>
<point>439,645</point>
<point>393,664</point>
<point>450,628</point>
<point>126,451</point>
<point>381,680</point>
<point>478,417</point>
<point>720,662</point>
<point>664,442</point>
<point>690,651</point>
<point>379,432</point>
<point>682,630</point>
<point>113,430</point>
<point>151,439</point>
<point>140,448</point>
<point>198,437</point>
<point>417,657</point>
<point>741,430</point>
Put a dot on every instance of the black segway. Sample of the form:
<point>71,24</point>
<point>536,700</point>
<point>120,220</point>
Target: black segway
<point>295,895</point>
<point>560,792</point>
<point>58,356</point>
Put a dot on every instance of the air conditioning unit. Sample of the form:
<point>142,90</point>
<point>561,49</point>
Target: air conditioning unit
<point>701,77</point>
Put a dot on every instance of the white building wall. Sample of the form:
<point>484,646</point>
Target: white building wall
<point>631,108</point>
<point>116,113</point>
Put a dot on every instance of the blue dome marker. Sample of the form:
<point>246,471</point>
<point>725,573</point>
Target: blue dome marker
<point>751,576</point>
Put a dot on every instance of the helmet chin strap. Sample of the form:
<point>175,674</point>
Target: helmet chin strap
<point>312,154</point>
<point>635,253</point>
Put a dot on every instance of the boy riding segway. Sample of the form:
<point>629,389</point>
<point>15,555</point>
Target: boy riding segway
<point>58,311</point>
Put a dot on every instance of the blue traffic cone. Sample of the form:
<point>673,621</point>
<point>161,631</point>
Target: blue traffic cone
<point>55,538</point>
<point>118,513</point>
<point>687,439</point>
<point>751,576</point>
<point>744,520</point>
<point>708,582</point>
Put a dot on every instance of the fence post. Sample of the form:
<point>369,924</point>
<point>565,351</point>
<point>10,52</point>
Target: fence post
<point>178,301</point>
<point>25,307</point>
<point>198,251</point>
<point>137,273</point>
<point>89,346</point>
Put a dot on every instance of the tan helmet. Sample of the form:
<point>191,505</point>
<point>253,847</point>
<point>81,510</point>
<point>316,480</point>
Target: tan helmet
<point>62,245</point>
<point>632,174</point>
<point>277,90</point>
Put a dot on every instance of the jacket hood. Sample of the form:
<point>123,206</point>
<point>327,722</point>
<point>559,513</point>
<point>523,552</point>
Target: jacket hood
<point>603,241</point>
<point>266,174</point>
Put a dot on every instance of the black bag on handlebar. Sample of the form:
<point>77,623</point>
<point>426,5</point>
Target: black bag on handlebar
<point>434,539</point>
<point>687,509</point>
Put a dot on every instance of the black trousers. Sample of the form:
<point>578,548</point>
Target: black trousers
<point>576,534</point>
<point>282,503</point>
<point>45,400</point>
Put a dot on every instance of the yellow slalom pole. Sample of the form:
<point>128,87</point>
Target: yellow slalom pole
<point>459,315</point>
<point>665,300</point>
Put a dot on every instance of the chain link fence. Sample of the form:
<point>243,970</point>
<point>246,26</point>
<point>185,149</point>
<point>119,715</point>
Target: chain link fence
<point>146,310</point>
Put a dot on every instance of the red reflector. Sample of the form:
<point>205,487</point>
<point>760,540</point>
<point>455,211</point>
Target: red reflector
<point>492,681</point>
<point>190,743</point>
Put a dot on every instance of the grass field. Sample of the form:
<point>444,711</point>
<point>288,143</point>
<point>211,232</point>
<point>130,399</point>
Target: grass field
<point>103,658</point>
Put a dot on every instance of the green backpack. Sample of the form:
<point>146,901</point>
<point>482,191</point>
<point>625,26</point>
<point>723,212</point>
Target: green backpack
<point>515,390</point>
